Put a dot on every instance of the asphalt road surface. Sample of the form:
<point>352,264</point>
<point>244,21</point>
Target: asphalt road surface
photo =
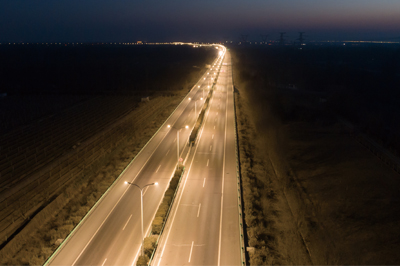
<point>111,233</point>
<point>203,227</point>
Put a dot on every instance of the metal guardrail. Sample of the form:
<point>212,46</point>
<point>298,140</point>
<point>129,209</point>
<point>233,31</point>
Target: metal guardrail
<point>240,207</point>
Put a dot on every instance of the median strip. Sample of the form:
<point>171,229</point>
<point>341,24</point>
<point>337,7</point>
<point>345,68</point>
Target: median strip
<point>157,226</point>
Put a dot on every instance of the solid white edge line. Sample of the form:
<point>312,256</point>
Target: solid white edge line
<point>127,222</point>
<point>223,179</point>
<point>191,249</point>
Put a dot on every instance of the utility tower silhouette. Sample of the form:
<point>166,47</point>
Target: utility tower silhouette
<point>281,39</point>
<point>264,38</point>
<point>301,38</point>
<point>243,38</point>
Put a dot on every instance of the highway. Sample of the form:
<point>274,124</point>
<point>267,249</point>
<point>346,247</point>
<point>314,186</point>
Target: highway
<point>111,232</point>
<point>203,227</point>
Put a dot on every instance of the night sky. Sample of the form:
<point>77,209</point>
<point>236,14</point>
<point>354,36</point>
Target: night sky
<point>196,20</point>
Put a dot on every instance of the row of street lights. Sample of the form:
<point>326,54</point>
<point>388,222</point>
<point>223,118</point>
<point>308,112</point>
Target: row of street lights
<point>178,159</point>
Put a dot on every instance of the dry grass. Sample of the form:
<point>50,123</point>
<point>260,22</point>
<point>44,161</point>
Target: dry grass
<point>313,195</point>
<point>270,226</point>
<point>354,196</point>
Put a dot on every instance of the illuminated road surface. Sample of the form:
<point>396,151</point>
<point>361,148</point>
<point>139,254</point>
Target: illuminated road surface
<point>111,234</point>
<point>203,228</point>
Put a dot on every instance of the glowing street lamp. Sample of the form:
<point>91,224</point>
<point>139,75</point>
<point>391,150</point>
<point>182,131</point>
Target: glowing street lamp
<point>141,206</point>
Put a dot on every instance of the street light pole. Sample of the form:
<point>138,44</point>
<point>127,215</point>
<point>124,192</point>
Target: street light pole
<point>141,207</point>
<point>177,140</point>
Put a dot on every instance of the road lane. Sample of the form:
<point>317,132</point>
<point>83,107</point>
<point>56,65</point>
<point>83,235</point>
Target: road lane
<point>210,181</point>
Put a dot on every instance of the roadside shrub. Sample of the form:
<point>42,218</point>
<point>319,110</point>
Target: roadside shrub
<point>162,211</point>
<point>167,200</point>
<point>75,219</point>
<point>46,251</point>
<point>142,261</point>
<point>174,182</point>
<point>178,173</point>
<point>169,193</point>
<point>35,260</point>
<point>82,211</point>
<point>65,230</point>
<point>150,245</point>
<point>157,225</point>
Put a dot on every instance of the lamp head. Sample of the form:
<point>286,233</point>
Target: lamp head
<point>125,182</point>
<point>169,126</point>
<point>156,183</point>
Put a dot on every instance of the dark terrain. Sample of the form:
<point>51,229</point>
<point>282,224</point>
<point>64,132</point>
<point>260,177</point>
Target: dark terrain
<point>43,79</point>
<point>315,195</point>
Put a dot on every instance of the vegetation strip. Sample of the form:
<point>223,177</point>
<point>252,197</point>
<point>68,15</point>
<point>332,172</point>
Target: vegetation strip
<point>199,122</point>
<point>238,176</point>
<point>160,218</point>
